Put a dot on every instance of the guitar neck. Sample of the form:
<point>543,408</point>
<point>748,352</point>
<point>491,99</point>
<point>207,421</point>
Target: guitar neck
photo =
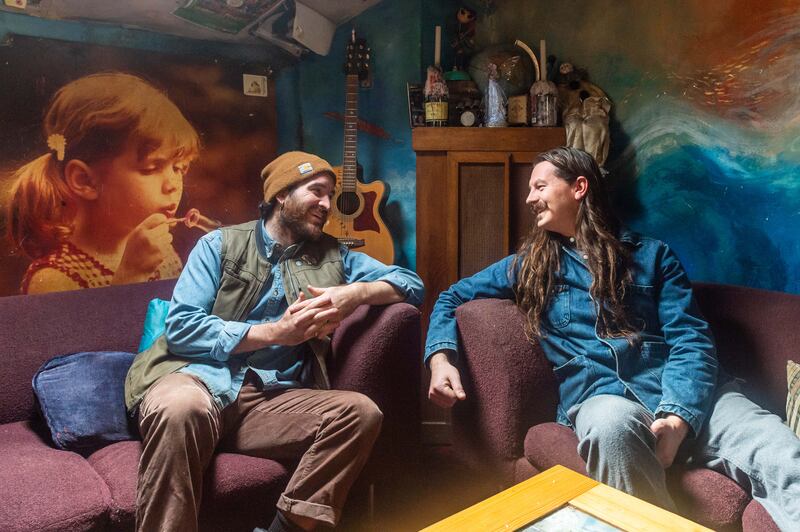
<point>349,164</point>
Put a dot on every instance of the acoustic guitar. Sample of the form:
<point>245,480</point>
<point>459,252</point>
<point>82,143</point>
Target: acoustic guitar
<point>354,219</point>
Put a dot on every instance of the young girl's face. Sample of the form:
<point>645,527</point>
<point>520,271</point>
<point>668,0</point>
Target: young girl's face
<point>131,189</point>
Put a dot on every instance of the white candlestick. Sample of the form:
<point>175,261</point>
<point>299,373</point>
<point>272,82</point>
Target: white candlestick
<point>437,50</point>
<point>543,59</point>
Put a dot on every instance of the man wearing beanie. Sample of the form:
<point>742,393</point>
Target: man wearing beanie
<point>242,363</point>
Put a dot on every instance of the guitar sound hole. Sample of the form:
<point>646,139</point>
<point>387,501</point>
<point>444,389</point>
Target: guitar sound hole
<point>347,203</point>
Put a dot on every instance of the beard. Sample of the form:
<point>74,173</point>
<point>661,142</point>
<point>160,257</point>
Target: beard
<point>296,220</point>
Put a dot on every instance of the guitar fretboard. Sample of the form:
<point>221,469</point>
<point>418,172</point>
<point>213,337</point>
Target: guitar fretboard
<point>349,168</point>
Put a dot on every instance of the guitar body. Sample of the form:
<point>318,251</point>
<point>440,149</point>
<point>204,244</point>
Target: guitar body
<point>354,216</point>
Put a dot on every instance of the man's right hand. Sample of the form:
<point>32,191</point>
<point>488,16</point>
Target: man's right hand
<point>303,320</point>
<point>445,388</point>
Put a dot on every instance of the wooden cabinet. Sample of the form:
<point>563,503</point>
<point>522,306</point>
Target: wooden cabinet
<point>471,212</point>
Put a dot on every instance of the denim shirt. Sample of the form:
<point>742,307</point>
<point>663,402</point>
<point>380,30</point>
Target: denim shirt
<point>193,332</point>
<point>670,369</point>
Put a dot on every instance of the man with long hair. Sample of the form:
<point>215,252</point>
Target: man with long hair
<point>635,360</point>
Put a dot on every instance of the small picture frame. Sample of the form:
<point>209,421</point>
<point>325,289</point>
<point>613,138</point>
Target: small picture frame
<point>253,85</point>
<point>416,105</point>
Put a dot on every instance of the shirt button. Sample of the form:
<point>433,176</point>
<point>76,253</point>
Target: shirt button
<point>586,257</point>
<point>275,292</point>
<point>298,263</point>
<point>572,239</point>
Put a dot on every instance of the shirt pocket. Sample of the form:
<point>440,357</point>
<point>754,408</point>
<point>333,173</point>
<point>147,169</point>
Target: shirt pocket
<point>654,356</point>
<point>578,371</point>
<point>641,303</point>
<point>558,312</point>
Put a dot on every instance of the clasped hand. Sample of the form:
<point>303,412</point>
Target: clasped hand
<point>318,316</point>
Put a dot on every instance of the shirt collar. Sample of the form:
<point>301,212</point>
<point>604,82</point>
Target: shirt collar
<point>272,249</point>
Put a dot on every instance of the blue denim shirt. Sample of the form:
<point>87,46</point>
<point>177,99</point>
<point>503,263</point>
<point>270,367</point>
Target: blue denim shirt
<point>192,331</point>
<point>671,369</point>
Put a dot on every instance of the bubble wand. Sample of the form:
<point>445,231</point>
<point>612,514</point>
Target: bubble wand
<point>193,218</point>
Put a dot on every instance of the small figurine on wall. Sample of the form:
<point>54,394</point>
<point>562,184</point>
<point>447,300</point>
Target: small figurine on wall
<point>585,111</point>
<point>464,42</point>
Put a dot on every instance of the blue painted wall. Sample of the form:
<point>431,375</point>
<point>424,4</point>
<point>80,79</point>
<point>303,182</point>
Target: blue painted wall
<point>401,36</point>
<point>705,152</point>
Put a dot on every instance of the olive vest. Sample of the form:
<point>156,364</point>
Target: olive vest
<point>245,271</point>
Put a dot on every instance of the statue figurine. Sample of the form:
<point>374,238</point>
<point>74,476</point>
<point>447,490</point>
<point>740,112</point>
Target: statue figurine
<point>495,100</point>
<point>595,127</point>
<point>464,42</point>
<point>585,112</point>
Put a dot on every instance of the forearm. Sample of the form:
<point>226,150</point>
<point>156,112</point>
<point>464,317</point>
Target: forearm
<point>258,337</point>
<point>377,293</point>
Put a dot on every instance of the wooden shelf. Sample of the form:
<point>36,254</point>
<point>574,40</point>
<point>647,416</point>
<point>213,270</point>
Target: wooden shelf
<point>503,139</point>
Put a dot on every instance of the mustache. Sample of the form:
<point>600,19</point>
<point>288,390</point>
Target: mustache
<point>538,207</point>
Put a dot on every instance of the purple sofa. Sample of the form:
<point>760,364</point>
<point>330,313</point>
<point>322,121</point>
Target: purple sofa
<point>43,488</point>
<point>506,428</point>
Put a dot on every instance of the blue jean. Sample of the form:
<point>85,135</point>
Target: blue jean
<point>739,439</point>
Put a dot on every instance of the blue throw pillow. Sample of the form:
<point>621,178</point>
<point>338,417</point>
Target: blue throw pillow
<point>153,322</point>
<point>82,398</point>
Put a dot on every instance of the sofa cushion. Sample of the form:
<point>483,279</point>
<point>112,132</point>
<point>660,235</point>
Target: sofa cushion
<point>81,397</point>
<point>549,444</point>
<point>793,396</point>
<point>708,497</point>
<point>756,519</point>
<point>34,328</point>
<point>154,322</point>
<point>239,492</point>
<point>42,488</point>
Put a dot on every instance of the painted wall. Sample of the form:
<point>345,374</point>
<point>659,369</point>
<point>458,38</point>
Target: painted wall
<point>706,121</point>
<point>400,34</point>
<point>705,152</point>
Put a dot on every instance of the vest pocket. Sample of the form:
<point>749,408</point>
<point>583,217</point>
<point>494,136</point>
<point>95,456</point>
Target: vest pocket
<point>558,312</point>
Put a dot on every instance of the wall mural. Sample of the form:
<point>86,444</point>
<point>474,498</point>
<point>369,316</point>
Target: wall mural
<point>705,147</point>
<point>113,162</point>
<point>718,160</point>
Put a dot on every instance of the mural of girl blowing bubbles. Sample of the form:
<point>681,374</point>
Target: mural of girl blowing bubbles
<point>98,207</point>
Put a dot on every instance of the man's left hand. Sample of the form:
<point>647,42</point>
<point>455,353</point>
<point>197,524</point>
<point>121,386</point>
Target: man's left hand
<point>343,298</point>
<point>670,432</point>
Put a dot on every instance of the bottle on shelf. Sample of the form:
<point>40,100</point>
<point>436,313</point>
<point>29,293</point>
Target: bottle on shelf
<point>435,92</point>
<point>436,96</point>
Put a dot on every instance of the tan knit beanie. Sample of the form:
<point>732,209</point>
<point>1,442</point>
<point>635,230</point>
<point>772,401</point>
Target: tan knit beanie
<point>290,168</point>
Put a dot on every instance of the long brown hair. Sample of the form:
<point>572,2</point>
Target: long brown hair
<point>596,231</point>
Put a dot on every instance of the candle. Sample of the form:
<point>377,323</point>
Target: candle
<point>437,51</point>
<point>543,59</point>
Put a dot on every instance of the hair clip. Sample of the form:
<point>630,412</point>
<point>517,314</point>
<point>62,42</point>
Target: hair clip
<point>57,143</point>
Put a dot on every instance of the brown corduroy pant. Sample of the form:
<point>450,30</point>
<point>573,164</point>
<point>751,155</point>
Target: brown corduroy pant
<point>331,433</point>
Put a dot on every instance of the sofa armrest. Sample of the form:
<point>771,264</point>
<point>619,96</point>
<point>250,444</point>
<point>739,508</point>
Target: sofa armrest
<point>509,383</point>
<point>377,351</point>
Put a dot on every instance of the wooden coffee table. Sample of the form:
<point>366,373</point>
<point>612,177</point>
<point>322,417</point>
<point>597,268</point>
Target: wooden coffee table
<point>561,499</point>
